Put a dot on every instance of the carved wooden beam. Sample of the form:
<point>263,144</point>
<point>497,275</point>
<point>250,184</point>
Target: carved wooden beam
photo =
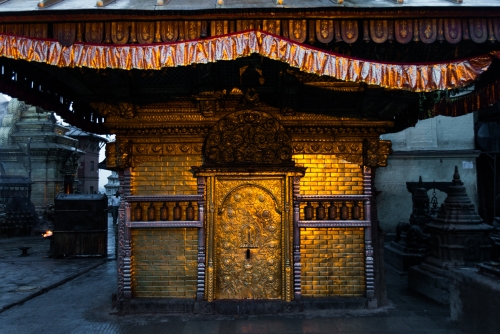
<point>46,3</point>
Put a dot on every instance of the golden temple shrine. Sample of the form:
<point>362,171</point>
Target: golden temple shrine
<point>247,133</point>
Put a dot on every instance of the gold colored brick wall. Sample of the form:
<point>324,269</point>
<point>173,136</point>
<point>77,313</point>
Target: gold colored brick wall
<point>332,262</point>
<point>329,175</point>
<point>164,262</point>
<point>168,175</point>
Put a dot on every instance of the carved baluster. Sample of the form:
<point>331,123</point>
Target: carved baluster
<point>164,212</point>
<point>190,212</point>
<point>344,211</point>
<point>356,211</point>
<point>177,211</point>
<point>151,212</point>
<point>308,211</point>
<point>332,211</point>
<point>138,212</point>
<point>320,212</point>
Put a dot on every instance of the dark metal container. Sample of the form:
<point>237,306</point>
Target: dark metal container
<point>80,224</point>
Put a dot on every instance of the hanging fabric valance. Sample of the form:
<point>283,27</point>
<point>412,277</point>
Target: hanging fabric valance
<point>412,77</point>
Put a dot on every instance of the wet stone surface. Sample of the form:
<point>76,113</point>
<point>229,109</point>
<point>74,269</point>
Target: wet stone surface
<point>83,304</point>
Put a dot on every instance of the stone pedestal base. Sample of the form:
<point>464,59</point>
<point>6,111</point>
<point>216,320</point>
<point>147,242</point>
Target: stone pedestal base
<point>400,260</point>
<point>475,301</point>
<point>430,284</point>
<point>241,307</point>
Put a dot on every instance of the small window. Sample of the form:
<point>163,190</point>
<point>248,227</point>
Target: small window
<point>91,189</point>
<point>91,166</point>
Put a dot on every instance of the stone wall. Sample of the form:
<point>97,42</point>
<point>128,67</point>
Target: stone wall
<point>164,262</point>
<point>431,149</point>
<point>475,301</point>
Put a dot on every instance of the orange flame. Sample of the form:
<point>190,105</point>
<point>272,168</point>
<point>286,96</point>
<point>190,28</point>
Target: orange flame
<point>47,233</point>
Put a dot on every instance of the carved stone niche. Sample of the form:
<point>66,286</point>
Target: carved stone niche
<point>248,137</point>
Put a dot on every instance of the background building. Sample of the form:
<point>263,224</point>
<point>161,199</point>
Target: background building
<point>88,171</point>
<point>33,145</point>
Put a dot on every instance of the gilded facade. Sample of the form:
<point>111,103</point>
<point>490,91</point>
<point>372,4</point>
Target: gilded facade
<point>248,135</point>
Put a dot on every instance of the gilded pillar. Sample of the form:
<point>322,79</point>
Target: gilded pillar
<point>210,250</point>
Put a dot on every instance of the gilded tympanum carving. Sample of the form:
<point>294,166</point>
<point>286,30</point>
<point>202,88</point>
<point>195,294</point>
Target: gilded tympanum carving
<point>248,137</point>
<point>248,245</point>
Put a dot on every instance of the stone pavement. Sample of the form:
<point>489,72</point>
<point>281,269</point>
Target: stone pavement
<point>44,295</point>
<point>25,277</point>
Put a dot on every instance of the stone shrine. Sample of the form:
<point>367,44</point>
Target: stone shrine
<point>459,238</point>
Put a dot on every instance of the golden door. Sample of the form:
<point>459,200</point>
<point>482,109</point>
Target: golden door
<point>248,244</point>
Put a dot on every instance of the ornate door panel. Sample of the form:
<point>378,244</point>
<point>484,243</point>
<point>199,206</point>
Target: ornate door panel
<point>248,239</point>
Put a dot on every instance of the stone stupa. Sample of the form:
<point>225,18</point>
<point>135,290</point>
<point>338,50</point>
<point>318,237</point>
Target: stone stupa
<point>459,238</point>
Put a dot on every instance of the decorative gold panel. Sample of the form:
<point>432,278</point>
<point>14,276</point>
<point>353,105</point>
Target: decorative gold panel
<point>379,31</point>
<point>324,30</point>
<point>120,32</point>
<point>169,31</point>
<point>248,245</point>
<point>248,137</point>
<point>297,30</point>
<point>248,238</point>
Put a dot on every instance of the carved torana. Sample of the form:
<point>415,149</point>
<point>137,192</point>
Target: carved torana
<point>248,137</point>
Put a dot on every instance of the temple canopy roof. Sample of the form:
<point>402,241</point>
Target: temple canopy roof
<point>380,59</point>
<point>184,5</point>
